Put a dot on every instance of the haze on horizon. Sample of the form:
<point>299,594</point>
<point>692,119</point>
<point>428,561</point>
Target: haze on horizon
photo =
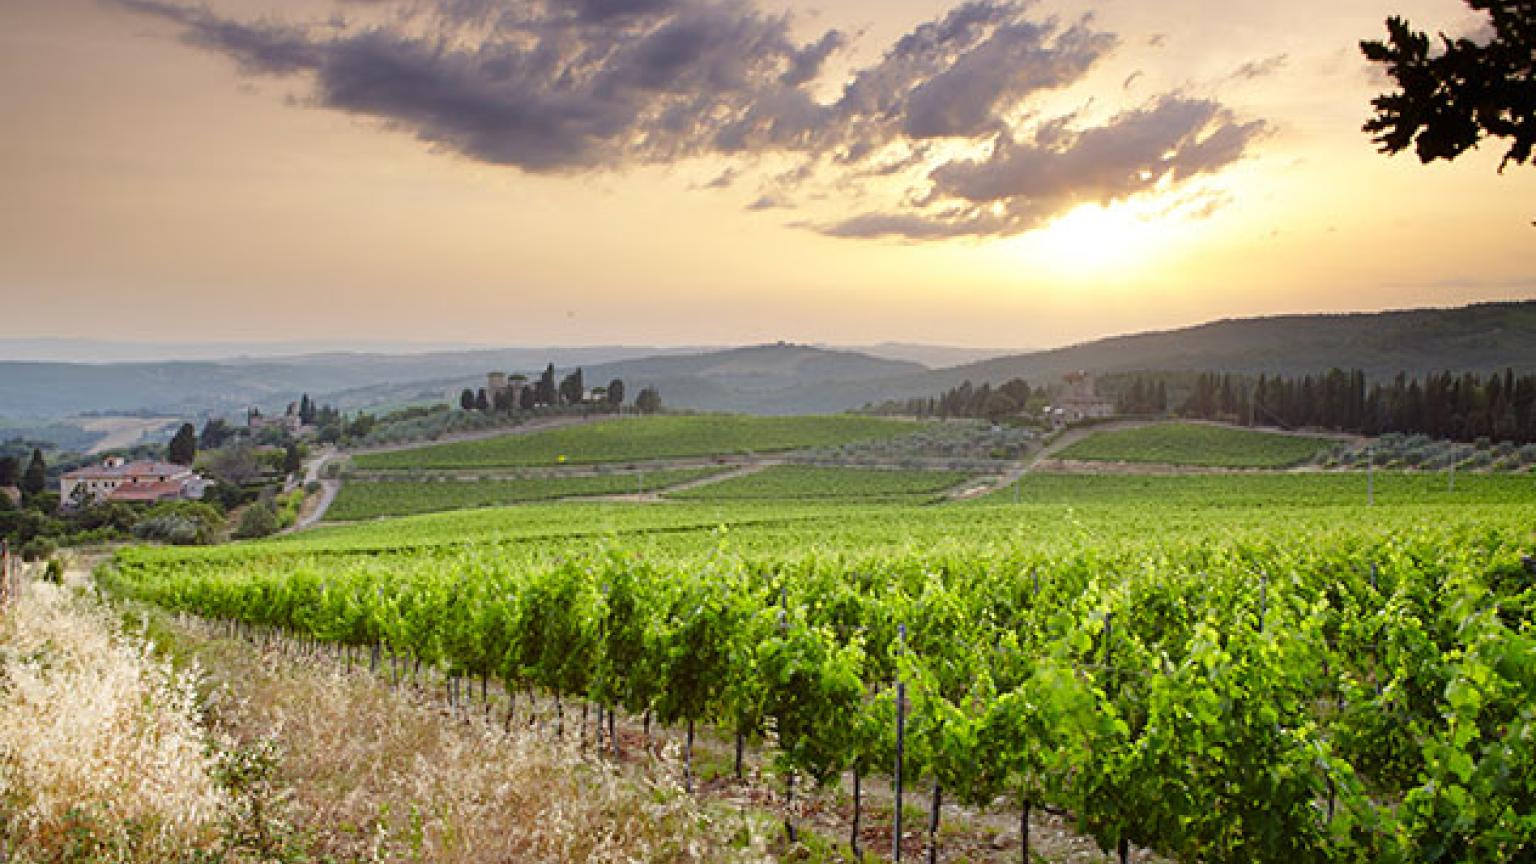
<point>692,172</point>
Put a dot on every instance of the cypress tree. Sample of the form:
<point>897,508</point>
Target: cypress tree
<point>183,448</point>
<point>35,480</point>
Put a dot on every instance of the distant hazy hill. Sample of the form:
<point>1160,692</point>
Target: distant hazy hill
<point>1471,338</point>
<point>1483,337</point>
<point>737,379</point>
<point>752,379</point>
<point>38,389</point>
<point>783,378</point>
<point>932,356</point>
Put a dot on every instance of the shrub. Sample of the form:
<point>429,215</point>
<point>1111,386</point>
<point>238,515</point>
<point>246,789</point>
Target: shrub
<point>38,549</point>
<point>173,529</point>
<point>182,523</point>
<point>287,507</point>
<point>258,520</point>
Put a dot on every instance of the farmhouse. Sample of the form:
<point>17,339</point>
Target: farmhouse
<point>1079,400</point>
<point>116,480</point>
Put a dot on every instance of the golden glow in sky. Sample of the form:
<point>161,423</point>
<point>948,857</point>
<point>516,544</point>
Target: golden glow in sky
<point>1094,241</point>
<point>1011,175</point>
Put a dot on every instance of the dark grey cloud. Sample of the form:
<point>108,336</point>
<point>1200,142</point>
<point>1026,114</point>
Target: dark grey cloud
<point>562,86</point>
<point>806,63</point>
<point>964,100</point>
<point>607,10</point>
<point>1024,183</point>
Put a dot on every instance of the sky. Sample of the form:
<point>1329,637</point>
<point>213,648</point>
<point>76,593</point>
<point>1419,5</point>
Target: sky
<point>1008,175</point>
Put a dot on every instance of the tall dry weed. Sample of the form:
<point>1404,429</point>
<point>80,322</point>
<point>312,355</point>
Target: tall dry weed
<point>378,774</point>
<point>106,756</point>
<point>102,753</point>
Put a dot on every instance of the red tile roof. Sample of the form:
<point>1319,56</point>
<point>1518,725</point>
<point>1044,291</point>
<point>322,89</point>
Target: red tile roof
<point>131,470</point>
<point>146,491</point>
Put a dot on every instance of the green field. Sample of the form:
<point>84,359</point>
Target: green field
<point>643,438</point>
<point>371,499</point>
<point>1312,674</point>
<point>1197,445</point>
<point>802,483</point>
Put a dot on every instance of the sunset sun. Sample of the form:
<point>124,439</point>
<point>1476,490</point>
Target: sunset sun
<point>1098,241</point>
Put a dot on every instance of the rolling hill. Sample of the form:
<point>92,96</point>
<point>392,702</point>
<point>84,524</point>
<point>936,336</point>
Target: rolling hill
<point>52,389</point>
<point>785,378</point>
<point>1478,338</point>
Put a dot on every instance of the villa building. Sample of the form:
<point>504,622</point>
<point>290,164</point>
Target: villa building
<point>117,480</point>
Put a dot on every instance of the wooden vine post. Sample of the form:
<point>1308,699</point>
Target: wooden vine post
<point>901,729</point>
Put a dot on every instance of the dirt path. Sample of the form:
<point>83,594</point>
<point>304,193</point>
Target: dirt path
<point>315,507</point>
<point>658,496</point>
<point>80,564</point>
<point>1041,459</point>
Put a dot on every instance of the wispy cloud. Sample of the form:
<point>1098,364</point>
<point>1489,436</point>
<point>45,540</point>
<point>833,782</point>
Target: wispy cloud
<point>1261,68</point>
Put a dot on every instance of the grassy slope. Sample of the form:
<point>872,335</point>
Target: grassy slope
<point>795,482</point>
<point>1197,444</point>
<point>373,499</point>
<point>645,438</point>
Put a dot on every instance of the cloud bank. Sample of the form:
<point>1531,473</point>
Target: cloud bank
<point>573,86</point>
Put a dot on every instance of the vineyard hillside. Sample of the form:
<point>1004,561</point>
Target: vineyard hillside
<point>635,439</point>
<point>1312,659</point>
<point>1197,444</point>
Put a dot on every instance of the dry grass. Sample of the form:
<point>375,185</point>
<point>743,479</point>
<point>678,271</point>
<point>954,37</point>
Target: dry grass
<point>105,755</point>
<point>376,774</point>
<point>102,754</point>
